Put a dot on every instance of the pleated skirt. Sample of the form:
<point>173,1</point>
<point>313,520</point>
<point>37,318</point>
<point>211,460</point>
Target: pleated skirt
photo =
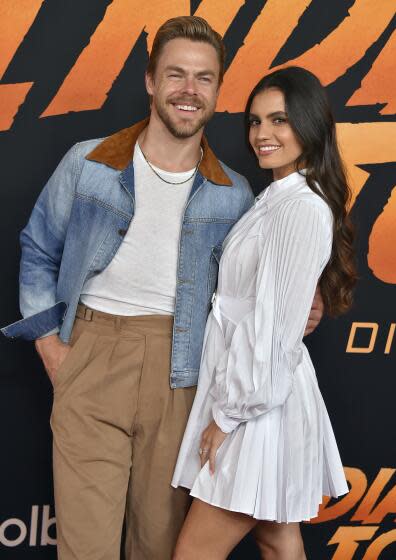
<point>274,467</point>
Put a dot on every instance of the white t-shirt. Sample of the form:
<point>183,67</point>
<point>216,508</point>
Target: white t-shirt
<point>141,278</point>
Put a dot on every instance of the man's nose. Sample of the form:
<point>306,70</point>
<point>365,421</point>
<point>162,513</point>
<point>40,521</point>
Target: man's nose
<point>189,85</point>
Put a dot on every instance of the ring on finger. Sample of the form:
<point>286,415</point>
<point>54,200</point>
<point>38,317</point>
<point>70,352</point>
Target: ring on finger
<point>202,451</point>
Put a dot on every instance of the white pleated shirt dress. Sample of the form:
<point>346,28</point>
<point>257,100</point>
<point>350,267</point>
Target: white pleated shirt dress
<point>256,378</point>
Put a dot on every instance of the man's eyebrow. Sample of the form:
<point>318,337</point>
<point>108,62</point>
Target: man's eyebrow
<point>175,69</point>
<point>206,73</point>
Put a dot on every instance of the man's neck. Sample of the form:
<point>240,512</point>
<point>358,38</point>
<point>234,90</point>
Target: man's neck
<point>166,151</point>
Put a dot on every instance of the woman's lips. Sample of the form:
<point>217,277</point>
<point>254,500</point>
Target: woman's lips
<point>268,149</point>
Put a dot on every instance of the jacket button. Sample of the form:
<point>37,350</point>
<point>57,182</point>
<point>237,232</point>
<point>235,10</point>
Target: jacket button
<point>122,232</point>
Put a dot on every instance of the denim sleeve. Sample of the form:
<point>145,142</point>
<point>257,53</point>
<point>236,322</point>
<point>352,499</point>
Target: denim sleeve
<point>43,238</point>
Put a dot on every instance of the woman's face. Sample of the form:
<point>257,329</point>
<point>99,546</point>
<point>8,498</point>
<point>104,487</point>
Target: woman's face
<point>270,134</point>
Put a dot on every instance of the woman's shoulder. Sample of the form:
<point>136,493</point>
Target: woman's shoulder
<point>303,203</point>
<point>307,208</point>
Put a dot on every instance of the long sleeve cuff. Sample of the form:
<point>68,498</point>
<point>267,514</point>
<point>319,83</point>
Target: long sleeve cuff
<point>225,423</point>
<point>53,331</point>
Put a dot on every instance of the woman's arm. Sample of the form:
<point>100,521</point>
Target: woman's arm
<point>266,348</point>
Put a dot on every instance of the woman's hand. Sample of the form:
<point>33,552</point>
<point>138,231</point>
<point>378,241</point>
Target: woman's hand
<point>211,440</point>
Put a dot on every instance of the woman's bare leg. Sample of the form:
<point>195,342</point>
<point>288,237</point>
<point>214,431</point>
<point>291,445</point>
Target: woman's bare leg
<point>279,541</point>
<point>210,533</point>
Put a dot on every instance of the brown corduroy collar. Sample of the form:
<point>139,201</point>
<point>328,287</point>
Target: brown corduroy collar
<point>117,151</point>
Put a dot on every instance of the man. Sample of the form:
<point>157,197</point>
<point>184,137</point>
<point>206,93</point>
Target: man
<point>119,265</point>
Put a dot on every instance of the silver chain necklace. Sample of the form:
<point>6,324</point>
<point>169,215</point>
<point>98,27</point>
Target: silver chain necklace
<point>170,182</point>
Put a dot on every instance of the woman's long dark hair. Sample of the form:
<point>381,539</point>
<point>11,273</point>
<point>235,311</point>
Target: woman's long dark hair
<point>312,121</point>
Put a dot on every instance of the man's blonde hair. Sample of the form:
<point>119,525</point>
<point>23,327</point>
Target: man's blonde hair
<point>193,28</point>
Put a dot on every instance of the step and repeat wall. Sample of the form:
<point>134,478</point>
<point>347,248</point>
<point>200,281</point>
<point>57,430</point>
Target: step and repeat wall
<point>73,70</point>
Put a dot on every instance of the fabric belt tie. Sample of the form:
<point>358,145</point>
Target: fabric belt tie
<point>231,308</point>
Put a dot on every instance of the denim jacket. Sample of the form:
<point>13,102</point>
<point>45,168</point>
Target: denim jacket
<point>78,224</point>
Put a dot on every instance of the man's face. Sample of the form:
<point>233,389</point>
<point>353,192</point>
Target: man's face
<point>185,86</point>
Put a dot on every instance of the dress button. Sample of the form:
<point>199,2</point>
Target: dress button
<point>122,232</point>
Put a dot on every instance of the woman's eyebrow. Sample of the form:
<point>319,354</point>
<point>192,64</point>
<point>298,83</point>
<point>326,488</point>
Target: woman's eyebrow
<point>277,114</point>
<point>270,115</point>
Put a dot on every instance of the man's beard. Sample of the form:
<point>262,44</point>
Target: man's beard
<point>187,129</point>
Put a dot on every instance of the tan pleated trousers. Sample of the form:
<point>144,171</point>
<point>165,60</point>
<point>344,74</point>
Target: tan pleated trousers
<point>117,427</point>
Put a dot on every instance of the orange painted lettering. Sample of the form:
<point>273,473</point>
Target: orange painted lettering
<point>328,60</point>
<point>381,255</point>
<point>89,81</point>
<point>358,483</point>
<point>348,539</point>
<point>374,550</point>
<point>11,98</point>
<point>365,143</point>
<point>386,506</point>
<point>351,348</point>
<point>15,21</point>
<point>378,85</point>
<point>348,43</point>
<point>265,38</point>
<point>219,17</point>
<point>389,340</point>
<point>381,480</point>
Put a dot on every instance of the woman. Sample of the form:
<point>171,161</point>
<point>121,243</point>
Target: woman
<point>259,451</point>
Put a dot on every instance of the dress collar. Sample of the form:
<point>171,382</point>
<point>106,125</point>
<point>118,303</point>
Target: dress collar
<point>294,182</point>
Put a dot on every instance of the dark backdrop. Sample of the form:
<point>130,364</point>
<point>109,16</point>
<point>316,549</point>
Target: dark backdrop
<point>357,385</point>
